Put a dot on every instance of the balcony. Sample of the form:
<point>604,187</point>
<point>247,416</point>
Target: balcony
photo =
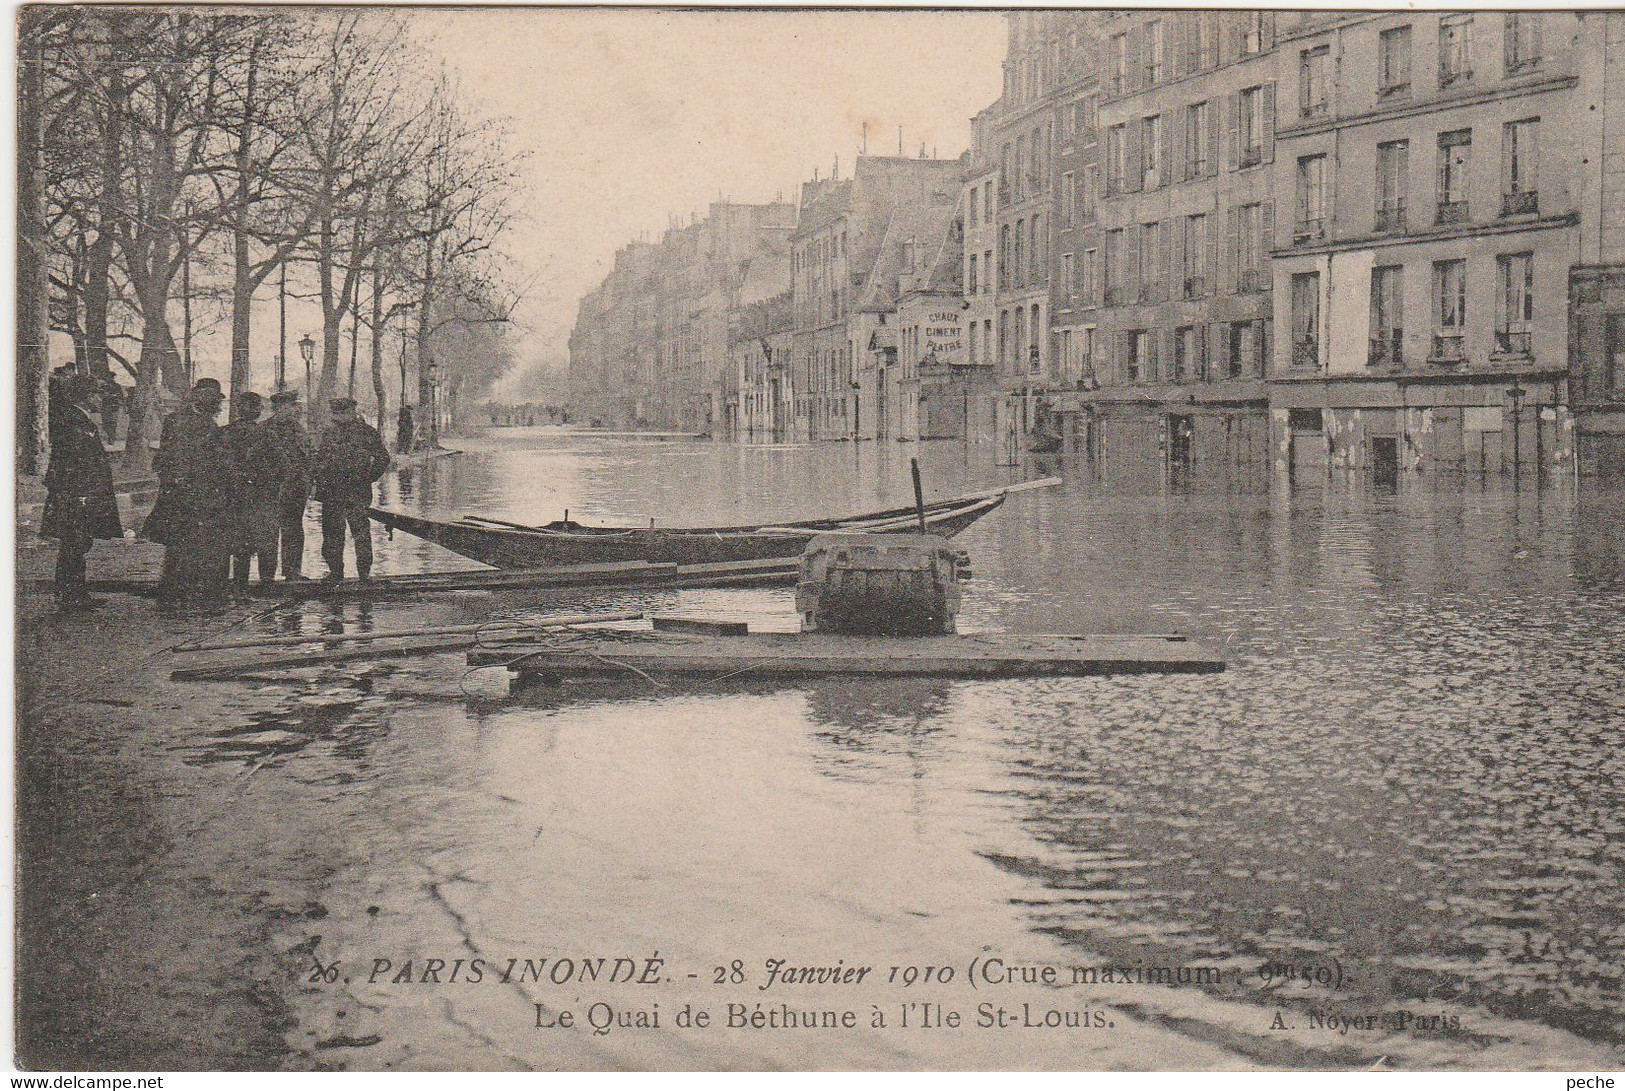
<point>1195,287</point>
<point>1514,343</point>
<point>1306,353</point>
<point>1526,203</point>
<point>1309,230</point>
<point>1387,349</point>
<point>1391,219</point>
<point>1448,348</point>
<point>1452,212</point>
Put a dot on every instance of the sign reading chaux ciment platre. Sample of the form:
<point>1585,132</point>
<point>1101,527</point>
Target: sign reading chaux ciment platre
<point>641,539</point>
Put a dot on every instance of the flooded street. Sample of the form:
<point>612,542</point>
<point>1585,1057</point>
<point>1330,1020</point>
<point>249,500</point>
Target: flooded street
<point>1411,776</point>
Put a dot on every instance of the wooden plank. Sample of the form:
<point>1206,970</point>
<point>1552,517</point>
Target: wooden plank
<point>791,654</point>
<point>257,664</point>
<point>509,626</point>
<point>715,626</point>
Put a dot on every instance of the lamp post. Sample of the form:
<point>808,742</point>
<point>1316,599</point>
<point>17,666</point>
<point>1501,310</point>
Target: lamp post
<point>1517,395</point>
<point>434,405</point>
<point>307,349</point>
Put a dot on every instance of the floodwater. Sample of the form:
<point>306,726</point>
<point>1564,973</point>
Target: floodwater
<point>1412,775</point>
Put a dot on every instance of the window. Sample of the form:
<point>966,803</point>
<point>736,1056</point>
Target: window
<point>1019,168</point>
<point>1250,33</point>
<point>1035,330</point>
<point>1117,72</point>
<point>987,203</point>
<point>1311,208</point>
<point>1155,57</point>
<point>1243,350</point>
<point>1018,338</point>
<point>1004,256</point>
<point>1393,161</point>
<point>1201,41</point>
<point>1069,273</point>
<point>1197,255</point>
<point>973,206</point>
<point>1114,266</point>
<point>1520,149</point>
<point>1249,249</point>
<point>1086,198</point>
<point>1198,140</point>
<point>1083,121</point>
<point>1068,199</point>
<point>1151,152</point>
<point>1187,362</point>
<point>1455,158</point>
<point>970,277</point>
<point>1153,245</point>
<point>1387,316</point>
<point>1449,308</point>
<point>1037,248</point>
<point>1521,37</point>
<point>1394,62</point>
<point>1312,80</point>
<point>1455,49</point>
<point>987,271</point>
<point>1088,288</point>
<point>1306,320</point>
<point>1514,304</point>
<point>1251,120</point>
<point>1018,266</point>
<point>1117,158</point>
<point>1138,365</point>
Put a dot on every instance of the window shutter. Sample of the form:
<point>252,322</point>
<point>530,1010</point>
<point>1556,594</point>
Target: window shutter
<point>1266,342</point>
<point>1231,251</point>
<point>1221,349</point>
<point>1232,134</point>
<point>1213,28</point>
<point>1268,140</point>
<point>1134,170</point>
<point>1131,262</point>
<point>1199,359</point>
<point>1134,79</point>
<point>1266,233</point>
<point>1213,138</point>
<point>1180,119</point>
<point>1176,262</point>
<point>1173,44</point>
<point>1168,268</point>
<point>1169,119</point>
<point>1266,35</point>
<point>1209,231</point>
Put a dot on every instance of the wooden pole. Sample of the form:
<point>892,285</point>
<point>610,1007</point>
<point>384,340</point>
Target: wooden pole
<point>919,493</point>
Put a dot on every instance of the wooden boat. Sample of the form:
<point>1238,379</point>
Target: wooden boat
<point>566,542</point>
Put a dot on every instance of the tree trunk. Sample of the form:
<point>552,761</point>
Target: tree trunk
<point>33,286</point>
<point>377,345</point>
<point>242,281</point>
<point>424,438</point>
<point>99,256</point>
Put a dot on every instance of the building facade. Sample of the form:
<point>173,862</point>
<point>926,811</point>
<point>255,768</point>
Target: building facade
<point>1426,171</point>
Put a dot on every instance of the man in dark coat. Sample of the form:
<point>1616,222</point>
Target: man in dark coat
<point>352,456</point>
<point>196,513</point>
<point>403,429</point>
<point>293,455</point>
<point>254,453</point>
<point>79,502</point>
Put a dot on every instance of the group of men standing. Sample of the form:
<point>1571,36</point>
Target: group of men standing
<point>228,497</point>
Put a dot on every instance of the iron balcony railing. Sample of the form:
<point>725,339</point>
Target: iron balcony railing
<point>1195,287</point>
<point>1452,212</point>
<point>1309,230</point>
<point>1449,347</point>
<point>1305,352</point>
<point>1526,203</point>
<point>1513,343</point>
<point>1386,349</point>
<point>1391,218</point>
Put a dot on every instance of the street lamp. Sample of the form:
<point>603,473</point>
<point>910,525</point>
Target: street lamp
<point>307,349</point>
<point>434,405</point>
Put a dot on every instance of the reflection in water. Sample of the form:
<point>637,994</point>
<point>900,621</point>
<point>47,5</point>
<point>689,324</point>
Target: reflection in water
<point>1416,761</point>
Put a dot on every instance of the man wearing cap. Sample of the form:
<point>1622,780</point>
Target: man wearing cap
<point>292,452</point>
<point>352,456</point>
<point>259,483</point>
<point>195,514</point>
<point>79,502</point>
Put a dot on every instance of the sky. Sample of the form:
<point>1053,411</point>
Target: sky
<point>631,118</point>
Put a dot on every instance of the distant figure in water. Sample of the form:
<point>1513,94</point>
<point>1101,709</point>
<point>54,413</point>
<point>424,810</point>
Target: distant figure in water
<point>403,430</point>
<point>352,456</point>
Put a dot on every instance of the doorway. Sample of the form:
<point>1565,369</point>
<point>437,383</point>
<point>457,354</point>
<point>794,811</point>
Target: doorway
<point>1181,441</point>
<point>1385,463</point>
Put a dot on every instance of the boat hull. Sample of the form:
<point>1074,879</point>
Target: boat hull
<point>514,547</point>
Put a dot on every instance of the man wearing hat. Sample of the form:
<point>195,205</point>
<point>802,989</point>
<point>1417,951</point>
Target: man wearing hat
<point>79,502</point>
<point>195,514</point>
<point>291,447</point>
<point>352,456</point>
<point>259,482</point>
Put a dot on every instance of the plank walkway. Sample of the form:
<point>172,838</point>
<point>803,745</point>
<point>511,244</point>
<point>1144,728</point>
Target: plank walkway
<point>980,655</point>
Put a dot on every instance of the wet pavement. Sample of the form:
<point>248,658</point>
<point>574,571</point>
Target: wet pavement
<point>1410,778</point>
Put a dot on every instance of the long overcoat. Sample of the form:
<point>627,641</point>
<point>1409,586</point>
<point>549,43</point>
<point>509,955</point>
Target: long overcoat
<point>79,480</point>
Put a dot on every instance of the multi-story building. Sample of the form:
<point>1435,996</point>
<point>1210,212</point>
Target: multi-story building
<point>1186,120</point>
<point>650,344</point>
<point>1597,282</point>
<point>759,344</point>
<point>848,237</point>
<point>977,203</point>
<point>1427,167</point>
